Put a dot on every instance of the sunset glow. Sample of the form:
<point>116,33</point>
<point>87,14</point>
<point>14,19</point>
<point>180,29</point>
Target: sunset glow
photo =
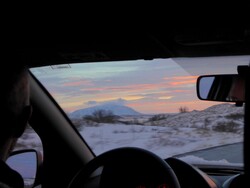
<point>157,86</point>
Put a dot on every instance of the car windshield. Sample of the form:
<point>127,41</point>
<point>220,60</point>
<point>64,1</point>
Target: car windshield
<point>150,104</point>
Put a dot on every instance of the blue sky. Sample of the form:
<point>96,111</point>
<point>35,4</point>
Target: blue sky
<point>156,86</point>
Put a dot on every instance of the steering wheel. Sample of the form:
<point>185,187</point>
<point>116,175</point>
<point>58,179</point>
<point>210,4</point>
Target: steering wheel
<point>128,167</point>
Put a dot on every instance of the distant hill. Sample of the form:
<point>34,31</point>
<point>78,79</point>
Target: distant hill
<point>208,118</point>
<point>224,108</point>
<point>118,110</point>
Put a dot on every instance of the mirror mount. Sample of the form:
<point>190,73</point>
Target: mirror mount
<point>243,70</point>
<point>238,104</point>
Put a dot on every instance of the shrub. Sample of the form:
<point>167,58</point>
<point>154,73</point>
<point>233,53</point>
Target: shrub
<point>101,116</point>
<point>230,126</point>
<point>154,120</point>
<point>157,117</point>
<point>183,109</point>
<point>77,123</point>
<point>235,116</point>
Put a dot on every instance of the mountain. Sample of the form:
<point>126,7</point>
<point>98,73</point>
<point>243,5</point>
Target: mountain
<point>118,110</point>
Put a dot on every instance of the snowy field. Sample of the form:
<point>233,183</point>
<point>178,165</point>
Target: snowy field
<point>174,134</point>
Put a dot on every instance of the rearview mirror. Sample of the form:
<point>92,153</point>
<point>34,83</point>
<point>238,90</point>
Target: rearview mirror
<point>224,88</point>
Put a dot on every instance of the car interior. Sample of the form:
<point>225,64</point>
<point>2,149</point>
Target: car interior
<point>68,161</point>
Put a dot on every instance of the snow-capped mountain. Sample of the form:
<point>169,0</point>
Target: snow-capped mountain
<point>118,110</point>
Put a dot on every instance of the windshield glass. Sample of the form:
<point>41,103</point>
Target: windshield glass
<point>150,104</point>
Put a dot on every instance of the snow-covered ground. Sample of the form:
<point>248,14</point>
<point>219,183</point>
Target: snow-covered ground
<point>172,135</point>
<point>165,141</point>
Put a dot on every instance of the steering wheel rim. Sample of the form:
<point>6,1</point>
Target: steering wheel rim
<point>124,157</point>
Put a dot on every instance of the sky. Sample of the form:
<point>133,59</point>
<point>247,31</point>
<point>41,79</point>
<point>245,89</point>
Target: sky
<point>151,86</point>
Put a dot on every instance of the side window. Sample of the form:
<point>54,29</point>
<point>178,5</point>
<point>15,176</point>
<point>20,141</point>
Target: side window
<point>29,140</point>
<point>24,160</point>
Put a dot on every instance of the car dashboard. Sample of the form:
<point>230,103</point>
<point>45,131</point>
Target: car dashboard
<point>209,176</point>
<point>189,176</point>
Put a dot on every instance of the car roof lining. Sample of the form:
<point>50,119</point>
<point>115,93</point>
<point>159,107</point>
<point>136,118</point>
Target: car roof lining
<point>166,43</point>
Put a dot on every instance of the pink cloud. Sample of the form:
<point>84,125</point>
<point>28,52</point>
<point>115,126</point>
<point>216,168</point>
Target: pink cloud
<point>181,80</point>
<point>78,83</point>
